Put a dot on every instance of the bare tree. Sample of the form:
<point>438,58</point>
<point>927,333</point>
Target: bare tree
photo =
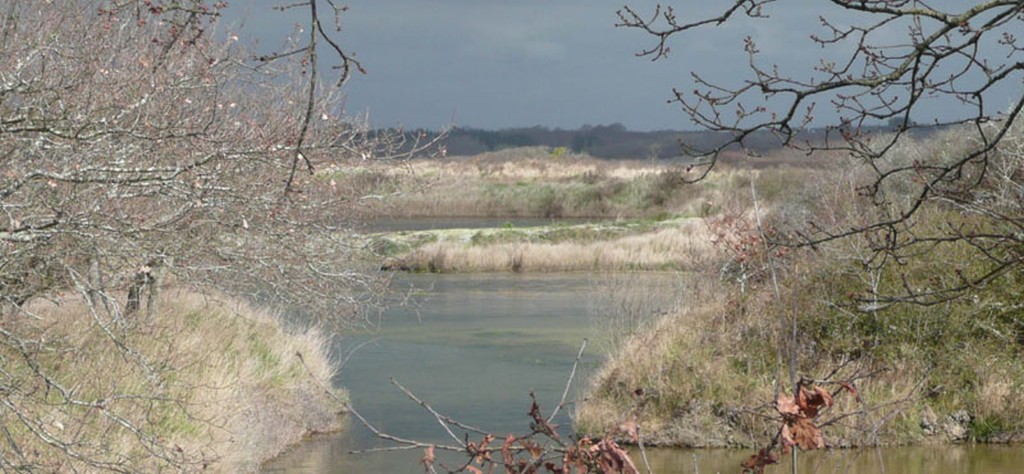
<point>134,144</point>
<point>138,150</point>
<point>885,67</point>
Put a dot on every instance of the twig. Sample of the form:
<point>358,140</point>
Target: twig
<point>425,405</point>
<point>353,351</point>
<point>447,419</point>
<point>384,450</point>
<point>643,452</point>
<point>410,444</point>
<point>568,383</point>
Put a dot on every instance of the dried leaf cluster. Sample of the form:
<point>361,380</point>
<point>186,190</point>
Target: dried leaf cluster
<point>526,455</point>
<point>797,414</point>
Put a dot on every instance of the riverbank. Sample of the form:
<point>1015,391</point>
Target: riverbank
<point>919,340</point>
<point>209,384</point>
<point>549,183</point>
<point>922,375</point>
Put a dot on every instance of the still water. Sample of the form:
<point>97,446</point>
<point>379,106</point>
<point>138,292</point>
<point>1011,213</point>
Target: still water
<point>478,344</point>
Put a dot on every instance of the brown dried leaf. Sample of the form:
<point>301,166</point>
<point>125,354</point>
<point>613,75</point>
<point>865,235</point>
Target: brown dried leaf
<point>787,438</point>
<point>825,395</point>
<point>757,462</point>
<point>807,436</point>
<point>579,456</point>
<point>851,388</point>
<point>613,459</point>
<point>786,406</point>
<point>533,448</point>
<point>480,453</point>
<point>811,401</point>
<point>474,470</point>
<point>506,452</point>
<point>540,425</point>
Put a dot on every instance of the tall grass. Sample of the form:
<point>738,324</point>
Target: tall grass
<point>532,182</point>
<point>218,381</point>
<point>938,373</point>
<point>677,247</point>
<point>625,304</point>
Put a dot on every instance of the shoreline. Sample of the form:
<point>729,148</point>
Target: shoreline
<point>210,383</point>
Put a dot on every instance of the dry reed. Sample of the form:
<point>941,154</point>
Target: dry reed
<point>674,248</point>
<point>226,385</point>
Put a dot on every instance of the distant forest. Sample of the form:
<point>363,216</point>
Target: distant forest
<point>615,141</point>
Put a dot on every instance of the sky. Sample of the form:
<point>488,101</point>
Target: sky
<point>518,63</point>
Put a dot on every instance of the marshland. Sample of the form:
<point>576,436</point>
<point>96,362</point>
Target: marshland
<point>213,257</point>
<point>692,297</point>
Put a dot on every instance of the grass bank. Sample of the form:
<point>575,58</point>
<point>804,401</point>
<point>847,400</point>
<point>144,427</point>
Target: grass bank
<point>950,370</point>
<point>952,373</point>
<point>210,384</point>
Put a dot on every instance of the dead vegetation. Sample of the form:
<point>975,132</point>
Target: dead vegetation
<point>221,386</point>
<point>677,246</point>
<point>766,323</point>
<point>534,182</point>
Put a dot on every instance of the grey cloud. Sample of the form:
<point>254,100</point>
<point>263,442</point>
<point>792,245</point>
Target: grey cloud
<point>561,63</point>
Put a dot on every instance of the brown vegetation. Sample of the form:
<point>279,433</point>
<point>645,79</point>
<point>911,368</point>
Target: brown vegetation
<point>534,182</point>
<point>211,384</point>
<point>670,247</point>
<point>762,314</point>
<point>519,183</point>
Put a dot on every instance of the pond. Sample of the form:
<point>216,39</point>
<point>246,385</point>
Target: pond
<point>477,345</point>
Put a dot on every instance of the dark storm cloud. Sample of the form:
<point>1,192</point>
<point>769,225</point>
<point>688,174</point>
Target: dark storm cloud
<point>499,64</point>
<point>493,64</point>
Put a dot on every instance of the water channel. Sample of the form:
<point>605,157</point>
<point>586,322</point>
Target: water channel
<point>475,348</point>
<point>476,345</point>
<point>480,343</point>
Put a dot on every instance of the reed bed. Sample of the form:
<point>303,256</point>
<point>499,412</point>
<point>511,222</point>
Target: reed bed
<point>673,248</point>
<point>533,183</point>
